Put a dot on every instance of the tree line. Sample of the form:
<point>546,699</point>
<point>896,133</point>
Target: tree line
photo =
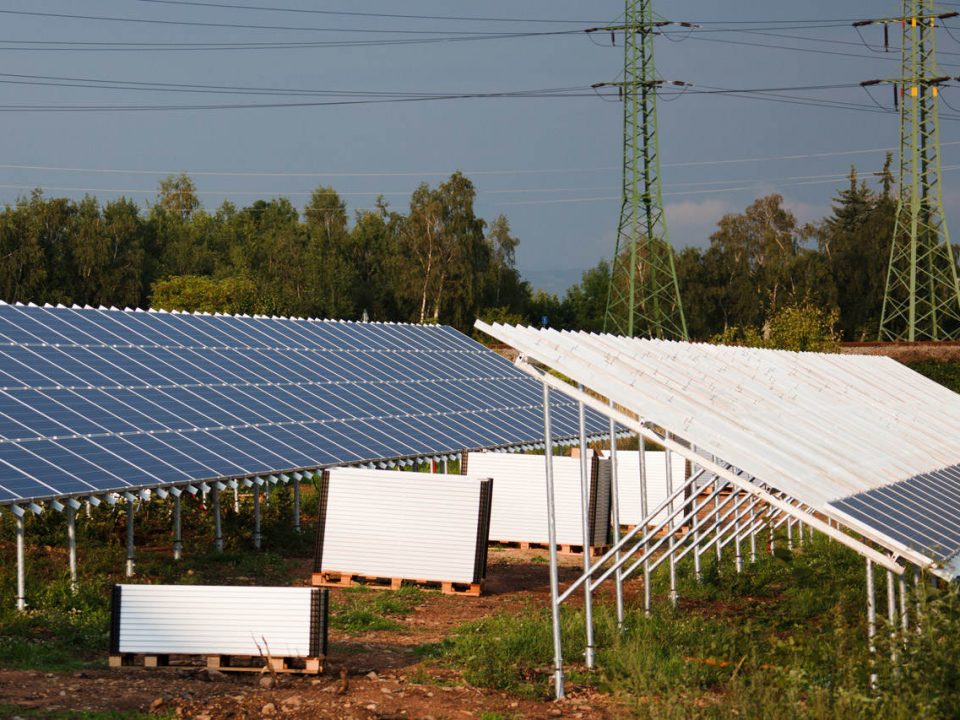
<point>434,261</point>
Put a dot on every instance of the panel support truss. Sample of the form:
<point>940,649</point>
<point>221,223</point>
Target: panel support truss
<point>922,296</point>
<point>643,296</point>
<point>713,506</point>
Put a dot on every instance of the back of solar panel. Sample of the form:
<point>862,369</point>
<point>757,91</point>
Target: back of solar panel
<point>519,511</point>
<point>404,525</point>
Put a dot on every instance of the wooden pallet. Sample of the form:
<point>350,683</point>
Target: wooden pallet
<point>224,663</point>
<point>595,551</point>
<point>343,579</point>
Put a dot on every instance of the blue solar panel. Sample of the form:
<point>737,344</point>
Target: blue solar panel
<point>905,511</point>
<point>95,401</point>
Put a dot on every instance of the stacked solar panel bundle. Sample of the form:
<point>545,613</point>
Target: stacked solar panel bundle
<point>655,471</point>
<point>520,502</point>
<point>104,400</point>
<point>403,525</point>
<point>218,620</point>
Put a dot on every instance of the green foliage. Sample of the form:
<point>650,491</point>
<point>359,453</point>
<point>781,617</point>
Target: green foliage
<point>198,293</point>
<point>786,638</point>
<point>10,711</point>
<point>945,373</point>
<point>360,609</point>
<point>804,328</point>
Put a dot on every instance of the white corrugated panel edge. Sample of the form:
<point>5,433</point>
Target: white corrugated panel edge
<point>519,512</point>
<point>217,620</point>
<point>410,525</point>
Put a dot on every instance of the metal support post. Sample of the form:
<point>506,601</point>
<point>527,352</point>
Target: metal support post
<point>753,535</point>
<point>585,524</point>
<point>296,502</point>
<point>772,539</point>
<point>177,529</point>
<point>552,539</point>
<point>904,619</point>
<point>671,528</point>
<point>130,551</point>
<point>718,527</point>
<point>217,526</point>
<point>871,623</point>
<point>21,593</point>
<point>72,545</point>
<point>236,500</point>
<point>257,536</point>
<point>892,615</point>
<point>738,554</point>
<point>615,511</point>
<point>790,534</point>
<point>645,521</point>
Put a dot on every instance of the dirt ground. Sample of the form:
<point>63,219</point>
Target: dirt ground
<point>370,675</point>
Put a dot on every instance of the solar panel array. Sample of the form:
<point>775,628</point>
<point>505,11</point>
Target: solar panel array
<point>862,440</point>
<point>922,512</point>
<point>105,400</point>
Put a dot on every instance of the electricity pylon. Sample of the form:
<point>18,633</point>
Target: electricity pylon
<point>643,297</point>
<point>922,296</point>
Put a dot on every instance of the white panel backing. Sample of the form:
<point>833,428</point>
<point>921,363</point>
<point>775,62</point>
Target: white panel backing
<point>215,620</point>
<point>655,468</point>
<point>519,511</point>
<point>395,524</point>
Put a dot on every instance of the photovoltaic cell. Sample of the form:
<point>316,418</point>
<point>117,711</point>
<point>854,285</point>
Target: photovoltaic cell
<point>95,401</point>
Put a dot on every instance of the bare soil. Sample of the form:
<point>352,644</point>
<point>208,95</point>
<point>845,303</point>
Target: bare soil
<point>368,675</point>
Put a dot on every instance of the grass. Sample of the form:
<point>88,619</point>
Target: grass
<point>361,609</point>
<point>785,639</point>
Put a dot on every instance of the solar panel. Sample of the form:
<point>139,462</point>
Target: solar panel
<point>105,400</point>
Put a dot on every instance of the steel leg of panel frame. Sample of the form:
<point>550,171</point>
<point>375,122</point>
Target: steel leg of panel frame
<point>642,462</point>
<point>21,593</point>
<point>585,525</point>
<point>217,525</point>
<point>236,500</point>
<point>615,512</point>
<point>772,539</point>
<point>738,554</point>
<point>72,546</point>
<point>904,619</point>
<point>177,529</point>
<point>717,527</point>
<point>892,615</point>
<point>918,593</point>
<point>671,528</point>
<point>552,539</point>
<point>871,622</point>
<point>753,536</point>
<point>131,564</point>
<point>296,504</point>
<point>790,534</point>
<point>257,535</point>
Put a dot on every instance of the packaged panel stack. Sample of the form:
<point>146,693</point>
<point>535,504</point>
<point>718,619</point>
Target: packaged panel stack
<point>519,511</point>
<point>281,623</point>
<point>655,468</point>
<point>396,526</point>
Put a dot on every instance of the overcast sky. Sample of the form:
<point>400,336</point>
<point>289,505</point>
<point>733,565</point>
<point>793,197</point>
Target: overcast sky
<point>551,164</point>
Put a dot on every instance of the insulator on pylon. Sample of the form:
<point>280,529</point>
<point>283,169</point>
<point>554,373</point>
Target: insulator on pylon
<point>896,98</point>
<point>613,39</point>
<point>886,38</point>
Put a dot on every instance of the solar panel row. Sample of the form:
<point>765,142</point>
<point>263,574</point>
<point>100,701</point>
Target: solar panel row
<point>922,512</point>
<point>101,400</point>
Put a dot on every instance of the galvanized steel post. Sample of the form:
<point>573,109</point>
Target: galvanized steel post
<point>72,545</point>
<point>647,592</point>
<point>21,593</point>
<point>257,536</point>
<point>615,512</point>
<point>296,503</point>
<point>130,549</point>
<point>585,525</point>
<point>871,623</point>
<point>892,615</point>
<point>177,527</point>
<point>552,539</point>
<point>217,526</point>
<point>671,528</point>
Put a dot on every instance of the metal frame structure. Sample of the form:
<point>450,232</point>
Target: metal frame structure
<point>643,296</point>
<point>774,439</point>
<point>922,295</point>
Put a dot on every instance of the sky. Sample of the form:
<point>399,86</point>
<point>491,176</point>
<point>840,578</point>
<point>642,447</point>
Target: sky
<point>551,164</point>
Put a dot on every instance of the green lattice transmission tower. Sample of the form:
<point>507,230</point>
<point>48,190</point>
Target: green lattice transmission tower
<point>643,298</point>
<point>922,297</point>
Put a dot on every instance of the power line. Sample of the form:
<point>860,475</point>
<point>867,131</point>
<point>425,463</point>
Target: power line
<point>310,11</point>
<point>243,26</point>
